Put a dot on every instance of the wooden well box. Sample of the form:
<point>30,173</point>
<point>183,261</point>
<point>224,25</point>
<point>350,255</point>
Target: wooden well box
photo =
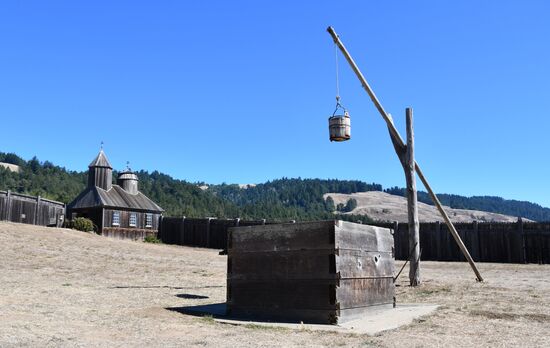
<point>315,272</point>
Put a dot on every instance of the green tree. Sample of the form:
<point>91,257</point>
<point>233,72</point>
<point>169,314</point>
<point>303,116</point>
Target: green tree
<point>329,204</point>
<point>281,199</point>
<point>350,205</point>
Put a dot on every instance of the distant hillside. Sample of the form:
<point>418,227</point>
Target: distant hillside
<point>298,199</point>
<point>40,178</point>
<point>12,167</point>
<point>381,206</point>
<point>491,204</point>
<point>282,199</point>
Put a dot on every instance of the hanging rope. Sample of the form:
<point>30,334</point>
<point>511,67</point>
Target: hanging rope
<point>337,82</point>
<point>338,105</point>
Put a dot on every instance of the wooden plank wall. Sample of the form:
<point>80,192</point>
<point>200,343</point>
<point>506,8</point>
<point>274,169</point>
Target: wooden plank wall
<point>520,242</point>
<point>205,233</point>
<point>124,219</point>
<point>537,242</point>
<point>309,271</point>
<point>26,209</point>
<point>128,233</point>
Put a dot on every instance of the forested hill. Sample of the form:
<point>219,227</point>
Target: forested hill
<point>285,199</point>
<point>177,197</point>
<point>282,199</point>
<point>298,199</point>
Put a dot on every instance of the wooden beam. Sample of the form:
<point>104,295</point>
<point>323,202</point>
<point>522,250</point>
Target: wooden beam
<point>450,225</point>
<point>100,228</point>
<point>396,138</point>
<point>8,206</point>
<point>412,207</point>
<point>37,212</point>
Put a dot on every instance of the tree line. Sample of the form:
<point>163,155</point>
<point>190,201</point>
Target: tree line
<point>492,204</point>
<point>282,199</point>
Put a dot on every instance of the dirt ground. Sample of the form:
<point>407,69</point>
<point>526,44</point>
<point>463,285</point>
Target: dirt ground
<point>66,288</point>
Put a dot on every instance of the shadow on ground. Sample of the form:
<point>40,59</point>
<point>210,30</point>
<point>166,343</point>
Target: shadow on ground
<point>165,286</point>
<point>219,311</point>
<point>214,310</point>
<point>191,296</point>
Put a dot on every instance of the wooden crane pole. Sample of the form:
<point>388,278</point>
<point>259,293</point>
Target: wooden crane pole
<point>398,141</point>
<point>406,157</point>
<point>412,206</point>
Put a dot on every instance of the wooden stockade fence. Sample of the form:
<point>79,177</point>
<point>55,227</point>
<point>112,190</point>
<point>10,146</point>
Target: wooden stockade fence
<point>206,233</point>
<point>16,207</point>
<point>519,242</point>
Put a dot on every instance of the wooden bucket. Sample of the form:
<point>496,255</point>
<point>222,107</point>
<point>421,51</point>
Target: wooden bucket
<point>340,127</point>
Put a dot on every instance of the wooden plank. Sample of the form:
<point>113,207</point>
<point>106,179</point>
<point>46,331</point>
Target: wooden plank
<point>3,209</point>
<point>313,316</point>
<point>396,240</point>
<point>36,211</point>
<point>361,292</point>
<point>219,232</point>
<point>312,235</point>
<point>128,233</point>
<point>179,234</point>
<point>522,236</point>
<point>310,264</point>
<point>354,264</point>
<point>311,294</point>
<point>545,247</point>
<point>283,265</point>
<point>280,237</point>
<point>404,231</point>
<point>308,271</point>
<point>438,240</point>
<point>274,295</point>
<point>425,236</point>
<point>474,249</point>
<point>362,237</point>
<point>8,206</point>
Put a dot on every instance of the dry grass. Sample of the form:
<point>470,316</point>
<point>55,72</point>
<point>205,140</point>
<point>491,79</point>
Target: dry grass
<point>68,288</point>
<point>540,318</point>
<point>382,206</point>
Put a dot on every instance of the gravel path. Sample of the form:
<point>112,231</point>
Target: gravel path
<point>65,288</point>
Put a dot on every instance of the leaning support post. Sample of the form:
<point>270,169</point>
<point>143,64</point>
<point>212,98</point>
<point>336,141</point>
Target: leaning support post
<point>414,226</point>
<point>450,225</point>
<point>398,141</point>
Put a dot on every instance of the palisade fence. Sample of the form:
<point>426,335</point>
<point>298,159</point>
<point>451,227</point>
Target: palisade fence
<point>206,233</point>
<point>519,242</point>
<point>16,207</point>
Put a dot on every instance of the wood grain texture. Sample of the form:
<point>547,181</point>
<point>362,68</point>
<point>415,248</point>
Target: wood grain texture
<point>282,237</point>
<point>27,209</point>
<point>309,270</point>
<point>363,237</point>
<point>412,203</point>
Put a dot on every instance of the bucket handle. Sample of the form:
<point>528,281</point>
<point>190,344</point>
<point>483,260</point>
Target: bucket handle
<point>339,106</point>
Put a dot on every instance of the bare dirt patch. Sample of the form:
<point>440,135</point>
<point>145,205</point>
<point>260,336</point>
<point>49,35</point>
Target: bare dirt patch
<point>66,288</point>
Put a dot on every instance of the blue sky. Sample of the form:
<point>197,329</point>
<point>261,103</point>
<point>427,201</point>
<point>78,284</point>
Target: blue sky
<point>240,91</point>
